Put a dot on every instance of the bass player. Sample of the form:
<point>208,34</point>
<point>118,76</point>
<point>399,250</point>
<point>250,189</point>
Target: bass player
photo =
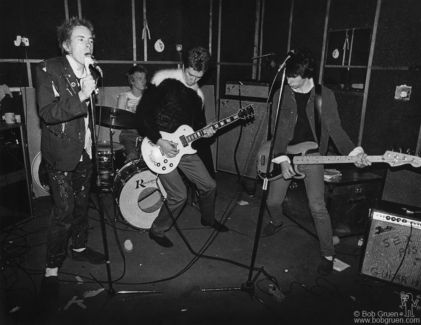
<point>298,123</point>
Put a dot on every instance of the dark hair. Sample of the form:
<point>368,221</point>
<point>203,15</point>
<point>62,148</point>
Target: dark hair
<point>198,59</point>
<point>133,70</point>
<point>301,64</point>
<point>64,31</point>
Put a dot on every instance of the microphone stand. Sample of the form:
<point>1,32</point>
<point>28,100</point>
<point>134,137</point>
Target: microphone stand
<point>248,286</point>
<point>111,291</point>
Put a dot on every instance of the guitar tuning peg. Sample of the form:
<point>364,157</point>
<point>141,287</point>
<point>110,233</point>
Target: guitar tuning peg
<point>408,151</point>
<point>392,148</point>
<point>400,149</point>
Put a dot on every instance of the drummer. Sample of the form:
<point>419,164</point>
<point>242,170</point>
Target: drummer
<point>128,101</point>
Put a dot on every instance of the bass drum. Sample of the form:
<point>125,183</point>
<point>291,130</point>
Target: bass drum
<point>138,192</point>
<point>39,177</point>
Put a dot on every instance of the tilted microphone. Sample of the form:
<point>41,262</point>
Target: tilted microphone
<point>289,55</point>
<point>90,60</point>
<point>263,56</point>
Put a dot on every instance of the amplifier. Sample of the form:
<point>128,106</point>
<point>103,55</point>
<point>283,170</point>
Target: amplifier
<point>247,89</point>
<point>243,138</point>
<point>393,249</point>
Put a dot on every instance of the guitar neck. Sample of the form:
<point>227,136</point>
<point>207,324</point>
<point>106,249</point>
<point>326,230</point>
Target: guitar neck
<point>216,126</point>
<point>314,160</point>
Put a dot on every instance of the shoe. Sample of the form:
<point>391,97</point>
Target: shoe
<point>49,295</point>
<point>88,255</point>
<point>325,267</point>
<point>271,229</point>
<point>216,225</point>
<point>161,241</point>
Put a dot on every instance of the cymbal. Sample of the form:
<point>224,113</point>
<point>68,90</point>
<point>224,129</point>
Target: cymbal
<point>117,118</point>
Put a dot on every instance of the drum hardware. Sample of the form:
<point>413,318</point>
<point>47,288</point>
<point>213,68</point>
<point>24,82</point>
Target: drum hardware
<point>110,158</point>
<point>113,121</point>
<point>115,118</point>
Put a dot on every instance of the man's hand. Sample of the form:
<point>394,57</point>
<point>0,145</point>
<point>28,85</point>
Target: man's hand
<point>287,170</point>
<point>88,85</point>
<point>209,131</point>
<point>362,160</point>
<point>168,148</point>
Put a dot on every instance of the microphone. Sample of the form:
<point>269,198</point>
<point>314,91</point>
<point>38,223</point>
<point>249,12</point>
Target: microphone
<point>290,54</point>
<point>90,60</point>
<point>262,56</point>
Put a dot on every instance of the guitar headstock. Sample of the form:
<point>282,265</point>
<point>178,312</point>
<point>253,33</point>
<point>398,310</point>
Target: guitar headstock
<point>398,159</point>
<point>246,112</point>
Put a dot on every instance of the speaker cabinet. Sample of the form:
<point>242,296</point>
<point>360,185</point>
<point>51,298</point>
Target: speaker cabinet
<point>248,134</point>
<point>393,249</point>
<point>250,88</point>
<point>348,201</point>
<point>403,186</point>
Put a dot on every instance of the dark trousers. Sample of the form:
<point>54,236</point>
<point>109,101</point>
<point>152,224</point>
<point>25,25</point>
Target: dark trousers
<point>69,216</point>
<point>194,169</point>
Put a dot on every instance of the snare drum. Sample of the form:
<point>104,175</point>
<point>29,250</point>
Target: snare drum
<point>106,162</point>
<point>138,192</point>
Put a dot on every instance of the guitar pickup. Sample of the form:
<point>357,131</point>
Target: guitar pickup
<point>183,141</point>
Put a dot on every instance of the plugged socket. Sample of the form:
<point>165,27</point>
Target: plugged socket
<point>21,41</point>
<point>179,47</point>
<point>276,293</point>
<point>18,40</point>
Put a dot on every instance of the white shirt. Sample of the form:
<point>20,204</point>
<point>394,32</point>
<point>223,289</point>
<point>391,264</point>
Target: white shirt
<point>88,138</point>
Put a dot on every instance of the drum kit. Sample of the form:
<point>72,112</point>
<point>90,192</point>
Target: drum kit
<point>137,191</point>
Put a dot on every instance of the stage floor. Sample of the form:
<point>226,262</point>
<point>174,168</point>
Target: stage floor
<point>177,282</point>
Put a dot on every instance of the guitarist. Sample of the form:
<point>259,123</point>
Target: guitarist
<point>174,99</point>
<point>297,124</point>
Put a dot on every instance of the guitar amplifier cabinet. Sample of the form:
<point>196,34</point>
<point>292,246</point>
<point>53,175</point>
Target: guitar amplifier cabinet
<point>392,248</point>
<point>249,134</point>
<point>348,200</point>
<point>247,89</point>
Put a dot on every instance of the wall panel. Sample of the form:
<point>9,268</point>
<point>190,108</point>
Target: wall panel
<point>398,40</point>
<point>351,14</point>
<point>389,122</point>
<point>308,26</point>
<point>164,21</point>
<point>238,26</point>
<point>112,22</point>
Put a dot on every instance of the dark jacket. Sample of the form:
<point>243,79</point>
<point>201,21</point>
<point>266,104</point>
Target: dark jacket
<point>61,112</point>
<point>166,107</point>
<point>331,123</point>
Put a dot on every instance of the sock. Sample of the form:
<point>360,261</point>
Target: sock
<point>51,272</point>
<point>79,249</point>
<point>330,258</point>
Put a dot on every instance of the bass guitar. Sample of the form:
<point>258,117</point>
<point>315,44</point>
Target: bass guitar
<point>298,156</point>
<point>159,163</point>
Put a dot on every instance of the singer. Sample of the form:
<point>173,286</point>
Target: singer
<point>63,89</point>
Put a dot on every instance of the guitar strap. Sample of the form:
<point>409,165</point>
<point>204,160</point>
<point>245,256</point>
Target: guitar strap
<point>318,111</point>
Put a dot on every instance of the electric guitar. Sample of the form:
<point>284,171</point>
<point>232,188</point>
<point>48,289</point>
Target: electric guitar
<point>159,163</point>
<point>298,154</point>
